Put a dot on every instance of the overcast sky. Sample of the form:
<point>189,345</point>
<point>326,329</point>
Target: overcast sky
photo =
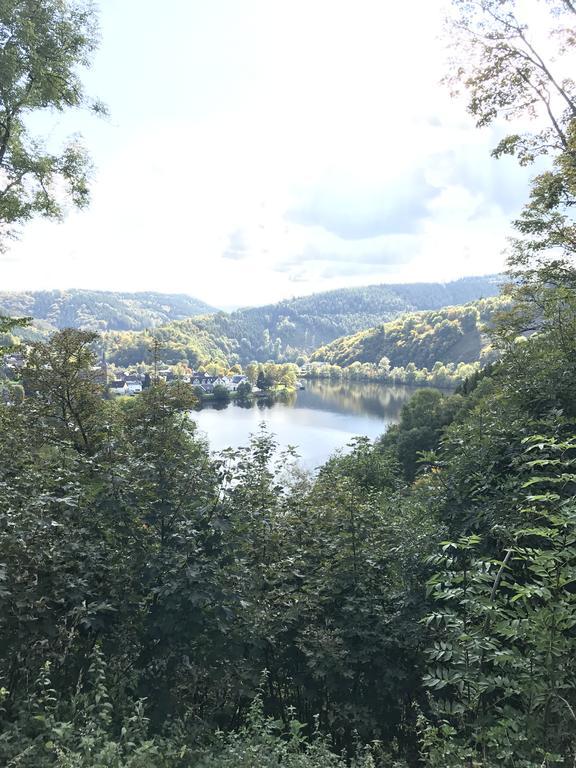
<point>261,149</point>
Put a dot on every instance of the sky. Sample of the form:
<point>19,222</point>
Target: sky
<point>262,149</point>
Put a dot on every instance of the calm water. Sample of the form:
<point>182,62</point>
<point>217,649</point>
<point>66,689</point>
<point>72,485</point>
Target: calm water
<point>317,421</point>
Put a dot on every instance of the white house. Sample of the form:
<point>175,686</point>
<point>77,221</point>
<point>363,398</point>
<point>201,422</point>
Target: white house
<point>117,388</point>
<point>133,384</point>
<point>233,382</point>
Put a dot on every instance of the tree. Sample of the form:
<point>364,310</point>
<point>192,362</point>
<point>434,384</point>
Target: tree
<point>252,370</point>
<point>244,390</point>
<point>221,394</point>
<point>264,381</point>
<point>384,365</point>
<point>41,46</point>
<point>421,424</point>
<point>505,67</point>
<point>288,375</point>
<point>13,392</point>
<point>62,376</point>
<point>8,324</point>
<point>502,665</point>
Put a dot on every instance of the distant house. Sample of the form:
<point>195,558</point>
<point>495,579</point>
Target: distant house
<point>206,383</point>
<point>133,385</point>
<point>234,382</point>
<point>118,387</point>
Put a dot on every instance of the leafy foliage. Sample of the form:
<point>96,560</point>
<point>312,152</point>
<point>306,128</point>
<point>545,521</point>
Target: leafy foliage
<point>146,584</point>
<point>41,47</point>
<point>282,332</point>
<point>451,335</point>
<point>502,668</point>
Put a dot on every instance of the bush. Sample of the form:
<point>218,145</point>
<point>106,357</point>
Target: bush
<point>221,394</point>
<point>244,389</point>
<point>264,743</point>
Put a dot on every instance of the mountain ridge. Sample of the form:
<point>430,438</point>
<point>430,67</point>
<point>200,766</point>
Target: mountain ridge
<point>293,327</point>
<point>101,310</point>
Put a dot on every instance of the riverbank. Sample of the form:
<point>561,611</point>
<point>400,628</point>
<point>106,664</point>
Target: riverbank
<point>247,397</point>
<point>442,376</point>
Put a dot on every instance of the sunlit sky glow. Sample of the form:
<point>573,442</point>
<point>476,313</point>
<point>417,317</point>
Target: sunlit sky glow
<point>261,149</point>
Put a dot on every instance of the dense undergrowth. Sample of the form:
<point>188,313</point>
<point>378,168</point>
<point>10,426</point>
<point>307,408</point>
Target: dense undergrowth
<point>411,603</point>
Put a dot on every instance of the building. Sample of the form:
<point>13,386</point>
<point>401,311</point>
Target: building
<point>117,387</point>
<point>133,385</point>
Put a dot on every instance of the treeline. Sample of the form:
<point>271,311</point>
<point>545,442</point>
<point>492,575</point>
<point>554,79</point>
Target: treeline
<point>183,342</point>
<point>450,336</point>
<point>283,331</point>
<point>100,310</point>
<point>191,330</point>
<point>440,375</point>
<point>277,331</point>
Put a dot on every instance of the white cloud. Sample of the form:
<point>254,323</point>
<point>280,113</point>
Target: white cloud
<point>294,147</point>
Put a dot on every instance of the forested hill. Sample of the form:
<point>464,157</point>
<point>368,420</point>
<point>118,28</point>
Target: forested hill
<point>449,335</point>
<point>437,295</point>
<point>189,330</point>
<point>282,331</point>
<point>309,321</point>
<point>100,310</point>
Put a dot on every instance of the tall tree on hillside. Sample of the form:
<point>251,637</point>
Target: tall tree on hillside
<point>7,325</point>
<point>63,379</point>
<point>506,66</point>
<point>41,46</point>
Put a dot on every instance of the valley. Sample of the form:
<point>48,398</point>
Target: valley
<point>334,527</point>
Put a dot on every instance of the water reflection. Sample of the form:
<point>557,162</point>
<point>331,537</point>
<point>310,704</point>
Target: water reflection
<point>355,397</point>
<point>318,420</point>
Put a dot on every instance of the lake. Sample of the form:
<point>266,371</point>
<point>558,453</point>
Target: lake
<point>317,420</point>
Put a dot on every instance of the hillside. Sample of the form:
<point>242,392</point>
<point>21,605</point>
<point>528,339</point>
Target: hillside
<point>100,310</point>
<point>289,328</point>
<point>189,330</point>
<point>305,323</point>
<point>449,335</point>
<point>181,341</point>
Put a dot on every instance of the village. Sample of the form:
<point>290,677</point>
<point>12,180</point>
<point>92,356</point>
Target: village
<point>211,381</point>
<point>131,383</point>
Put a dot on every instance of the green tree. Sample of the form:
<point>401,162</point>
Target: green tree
<point>8,324</point>
<point>244,390</point>
<point>502,664</point>
<point>63,379</point>
<point>422,421</point>
<point>42,46</point>
<point>264,381</point>
<point>506,67</point>
<point>252,370</point>
<point>221,394</point>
